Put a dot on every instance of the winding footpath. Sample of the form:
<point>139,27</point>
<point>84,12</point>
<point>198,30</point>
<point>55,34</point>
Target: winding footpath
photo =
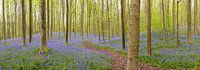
<point>119,61</point>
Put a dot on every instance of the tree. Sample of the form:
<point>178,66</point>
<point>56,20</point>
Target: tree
<point>164,22</point>
<point>23,22</point>
<point>67,17</point>
<point>108,19</point>
<point>82,19</point>
<point>134,35</point>
<point>30,21</point>
<point>102,21</point>
<point>177,24</point>
<point>195,15</point>
<point>48,19</point>
<point>52,18</point>
<point>123,24</point>
<point>4,25</point>
<point>173,16</point>
<point>189,35</point>
<point>167,16</point>
<point>43,46</point>
<point>149,27</point>
<point>16,18</point>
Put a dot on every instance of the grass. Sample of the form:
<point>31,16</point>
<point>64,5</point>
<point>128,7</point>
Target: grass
<point>30,60</point>
<point>172,61</point>
<point>179,60</point>
<point>73,56</point>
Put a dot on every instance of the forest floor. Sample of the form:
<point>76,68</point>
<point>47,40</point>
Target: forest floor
<point>119,60</point>
<point>92,54</point>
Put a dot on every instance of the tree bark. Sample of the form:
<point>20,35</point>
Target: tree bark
<point>23,22</point>
<point>173,16</point>
<point>195,16</point>
<point>48,19</point>
<point>189,35</point>
<point>149,27</point>
<point>134,33</point>
<point>82,19</point>
<point>43,46</point>
<point>164,23</point>
<point>4,25</point>
<point>123,24</point>
<point>67,17</point>
<point>30,21</point>
<point>177,25</point>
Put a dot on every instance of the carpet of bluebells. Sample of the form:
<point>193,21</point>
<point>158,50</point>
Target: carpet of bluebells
<point>73,56</point>
<point>61,56</point>
<point>165,55</point>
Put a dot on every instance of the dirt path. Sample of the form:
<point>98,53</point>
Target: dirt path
<point>119,61</point>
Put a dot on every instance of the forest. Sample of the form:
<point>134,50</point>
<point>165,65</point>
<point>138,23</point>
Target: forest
<point>99,35</point>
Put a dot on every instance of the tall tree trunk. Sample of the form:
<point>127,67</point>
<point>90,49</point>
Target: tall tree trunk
<point>4,25</point>
<point>189,35</point>
<point>177,25</point>
<point>75,26</point>
<point>23,22</point>
<point>134,35</point>
<point>63,16</point>
<point>118,19</point>
<point>167,15</point>
<point>149,27</point>
<point>98,21</point>
<point>8,19</point>
<point>82,19</point>
<point>195,16</point>
<point>123,24</point>
<point>48,19</point>
<point>70,18</point>
<point>102,21</point>
<point>173,16</point>
<point>43,46</point>
<point>30,21</point>
<point>16,18</point>
<point>108,20</point>
<point>52,17</point>
<point>164,23</point>
<point>67,17</point>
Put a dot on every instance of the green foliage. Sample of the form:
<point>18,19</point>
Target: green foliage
<point>171,61</point>
<point>31,60</point>
<point>163,46</point>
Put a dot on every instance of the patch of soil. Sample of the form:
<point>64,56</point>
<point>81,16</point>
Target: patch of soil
<point>119,61</point>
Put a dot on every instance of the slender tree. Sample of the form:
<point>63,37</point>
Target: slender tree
<point>48,19</point>
<point>30,21</point>
<point>195,16</point>
<point>102,21</point>
<point>177,24</point>
<point>149,27</point>
<point>167,16</point>
<point>16,18</point>
<point>134,35</point>
<point>52,17</point>
<point>23,22</point>
<point>67,29</point>
<point>189,35</point>
<point>108,19</point>
<point>164,23</point>
<point>173,16</point>
<point>4,25</point>
<point>82,19</point>
<point>43,46</point>
<point>123,24</point>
